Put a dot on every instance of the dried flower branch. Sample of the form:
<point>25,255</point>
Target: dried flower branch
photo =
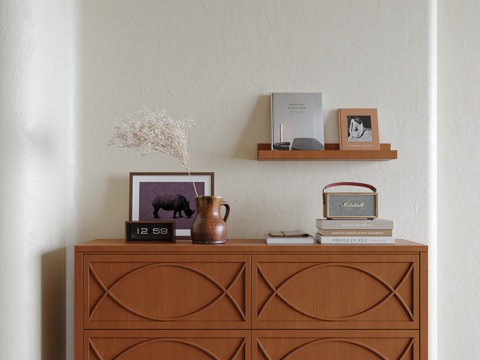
<point>155,131</point>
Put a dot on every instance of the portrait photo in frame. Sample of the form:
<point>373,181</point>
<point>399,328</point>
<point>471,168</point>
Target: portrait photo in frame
<point>168,196</point>
<point>358,129</point>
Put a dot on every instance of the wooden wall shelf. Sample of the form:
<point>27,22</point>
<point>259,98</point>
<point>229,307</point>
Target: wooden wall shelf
<point>331,152</point>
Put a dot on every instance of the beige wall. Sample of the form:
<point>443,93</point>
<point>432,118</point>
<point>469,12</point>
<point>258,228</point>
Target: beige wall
<point>74,67</point>
<point>218,62</point>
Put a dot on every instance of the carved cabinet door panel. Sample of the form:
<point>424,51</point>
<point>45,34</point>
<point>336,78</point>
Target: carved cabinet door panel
<point>335,344</point>
<point>166,291</point>
<point>167,344</point>
<point>335,292</point>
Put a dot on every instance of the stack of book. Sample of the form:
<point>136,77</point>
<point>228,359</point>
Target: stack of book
<point>354,231</point>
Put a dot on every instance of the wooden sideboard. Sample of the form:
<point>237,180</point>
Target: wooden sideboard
<point>248,300</point>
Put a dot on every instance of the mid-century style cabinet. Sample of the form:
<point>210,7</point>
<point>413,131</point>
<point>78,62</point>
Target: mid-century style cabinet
<point>248,300</point>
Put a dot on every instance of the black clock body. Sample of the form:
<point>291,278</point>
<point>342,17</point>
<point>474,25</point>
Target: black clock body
<point>162,231</point>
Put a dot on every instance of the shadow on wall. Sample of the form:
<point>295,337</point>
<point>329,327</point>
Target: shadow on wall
<point>259,125</point>
<point>54,305</point>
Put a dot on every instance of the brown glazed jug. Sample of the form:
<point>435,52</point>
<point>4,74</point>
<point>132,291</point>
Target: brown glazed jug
<point>209,227</point>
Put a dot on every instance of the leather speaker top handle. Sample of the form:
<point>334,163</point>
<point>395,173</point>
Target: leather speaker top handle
<point>349,184</point>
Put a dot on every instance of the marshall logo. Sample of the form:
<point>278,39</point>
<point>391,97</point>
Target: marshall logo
<point>352,204</point>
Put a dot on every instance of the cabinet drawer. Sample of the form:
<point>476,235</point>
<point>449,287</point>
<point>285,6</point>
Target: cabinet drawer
<point>335,291</point>
<point>160,292</point>
<point>335,344</point>
<point>166,344</point>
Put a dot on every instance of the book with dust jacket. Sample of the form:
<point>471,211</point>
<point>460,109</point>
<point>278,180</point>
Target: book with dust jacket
<point>297,117</point>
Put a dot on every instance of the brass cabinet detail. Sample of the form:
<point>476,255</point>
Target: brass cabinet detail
<point>248,300</point>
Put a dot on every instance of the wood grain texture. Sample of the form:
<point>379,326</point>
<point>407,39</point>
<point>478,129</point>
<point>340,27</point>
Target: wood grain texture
<point>248,300</point>
<point>166,344</point>
<point>331,152</point>
<point>243,246</point>
<point>168,292</point>
<point>344,344</point>
<point>336,291</point>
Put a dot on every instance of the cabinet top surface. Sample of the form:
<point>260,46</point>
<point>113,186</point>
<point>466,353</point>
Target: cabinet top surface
<point>244,246</point>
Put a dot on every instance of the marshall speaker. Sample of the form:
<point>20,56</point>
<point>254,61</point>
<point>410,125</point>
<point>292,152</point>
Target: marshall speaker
<point>350,205</point>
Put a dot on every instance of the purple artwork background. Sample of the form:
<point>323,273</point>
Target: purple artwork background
<point>149,190</point>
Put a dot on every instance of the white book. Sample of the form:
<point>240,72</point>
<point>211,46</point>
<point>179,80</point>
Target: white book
<point>289,240</point>
<point>355,232</point>
<point>357,224</point>
<point>354,240</point>
<point>297,121</point>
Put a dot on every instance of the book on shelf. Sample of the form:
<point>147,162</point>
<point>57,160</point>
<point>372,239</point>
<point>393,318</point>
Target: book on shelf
<point>355,240</point>
<point>354,232</point>
<point>357,224</point>
<point>289,237</point>
<point>297,121</point>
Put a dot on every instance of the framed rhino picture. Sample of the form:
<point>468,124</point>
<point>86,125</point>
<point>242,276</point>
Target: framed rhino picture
<point>168,196</point>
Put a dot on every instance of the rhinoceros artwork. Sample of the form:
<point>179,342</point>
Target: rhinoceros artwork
<point>176,203</point>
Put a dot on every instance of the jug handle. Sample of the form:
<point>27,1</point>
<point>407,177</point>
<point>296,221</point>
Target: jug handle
<point>227,210</point>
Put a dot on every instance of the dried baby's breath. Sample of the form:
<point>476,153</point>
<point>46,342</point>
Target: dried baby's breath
<point>152,132</point>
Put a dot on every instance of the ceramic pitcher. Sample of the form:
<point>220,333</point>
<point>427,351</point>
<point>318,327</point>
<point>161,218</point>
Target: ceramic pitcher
<point>209,227</point>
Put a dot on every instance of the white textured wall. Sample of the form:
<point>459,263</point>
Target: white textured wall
<point>459,172</point>
<point>219,61</point>
<point>74,67</point>
<point>33,181</point>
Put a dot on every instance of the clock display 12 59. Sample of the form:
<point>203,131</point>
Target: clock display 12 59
<point>150,231</point>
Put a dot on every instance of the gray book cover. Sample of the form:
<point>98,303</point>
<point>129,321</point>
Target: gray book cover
<point>297,121</point>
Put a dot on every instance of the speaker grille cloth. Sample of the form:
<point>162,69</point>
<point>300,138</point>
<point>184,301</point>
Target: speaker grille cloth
<point>336,201</point>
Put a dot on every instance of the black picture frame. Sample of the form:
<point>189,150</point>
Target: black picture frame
<point>168,196</point>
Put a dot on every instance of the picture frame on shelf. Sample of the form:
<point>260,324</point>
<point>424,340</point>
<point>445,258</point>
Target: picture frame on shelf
<point>168,196</point>
<point>358,129</point>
